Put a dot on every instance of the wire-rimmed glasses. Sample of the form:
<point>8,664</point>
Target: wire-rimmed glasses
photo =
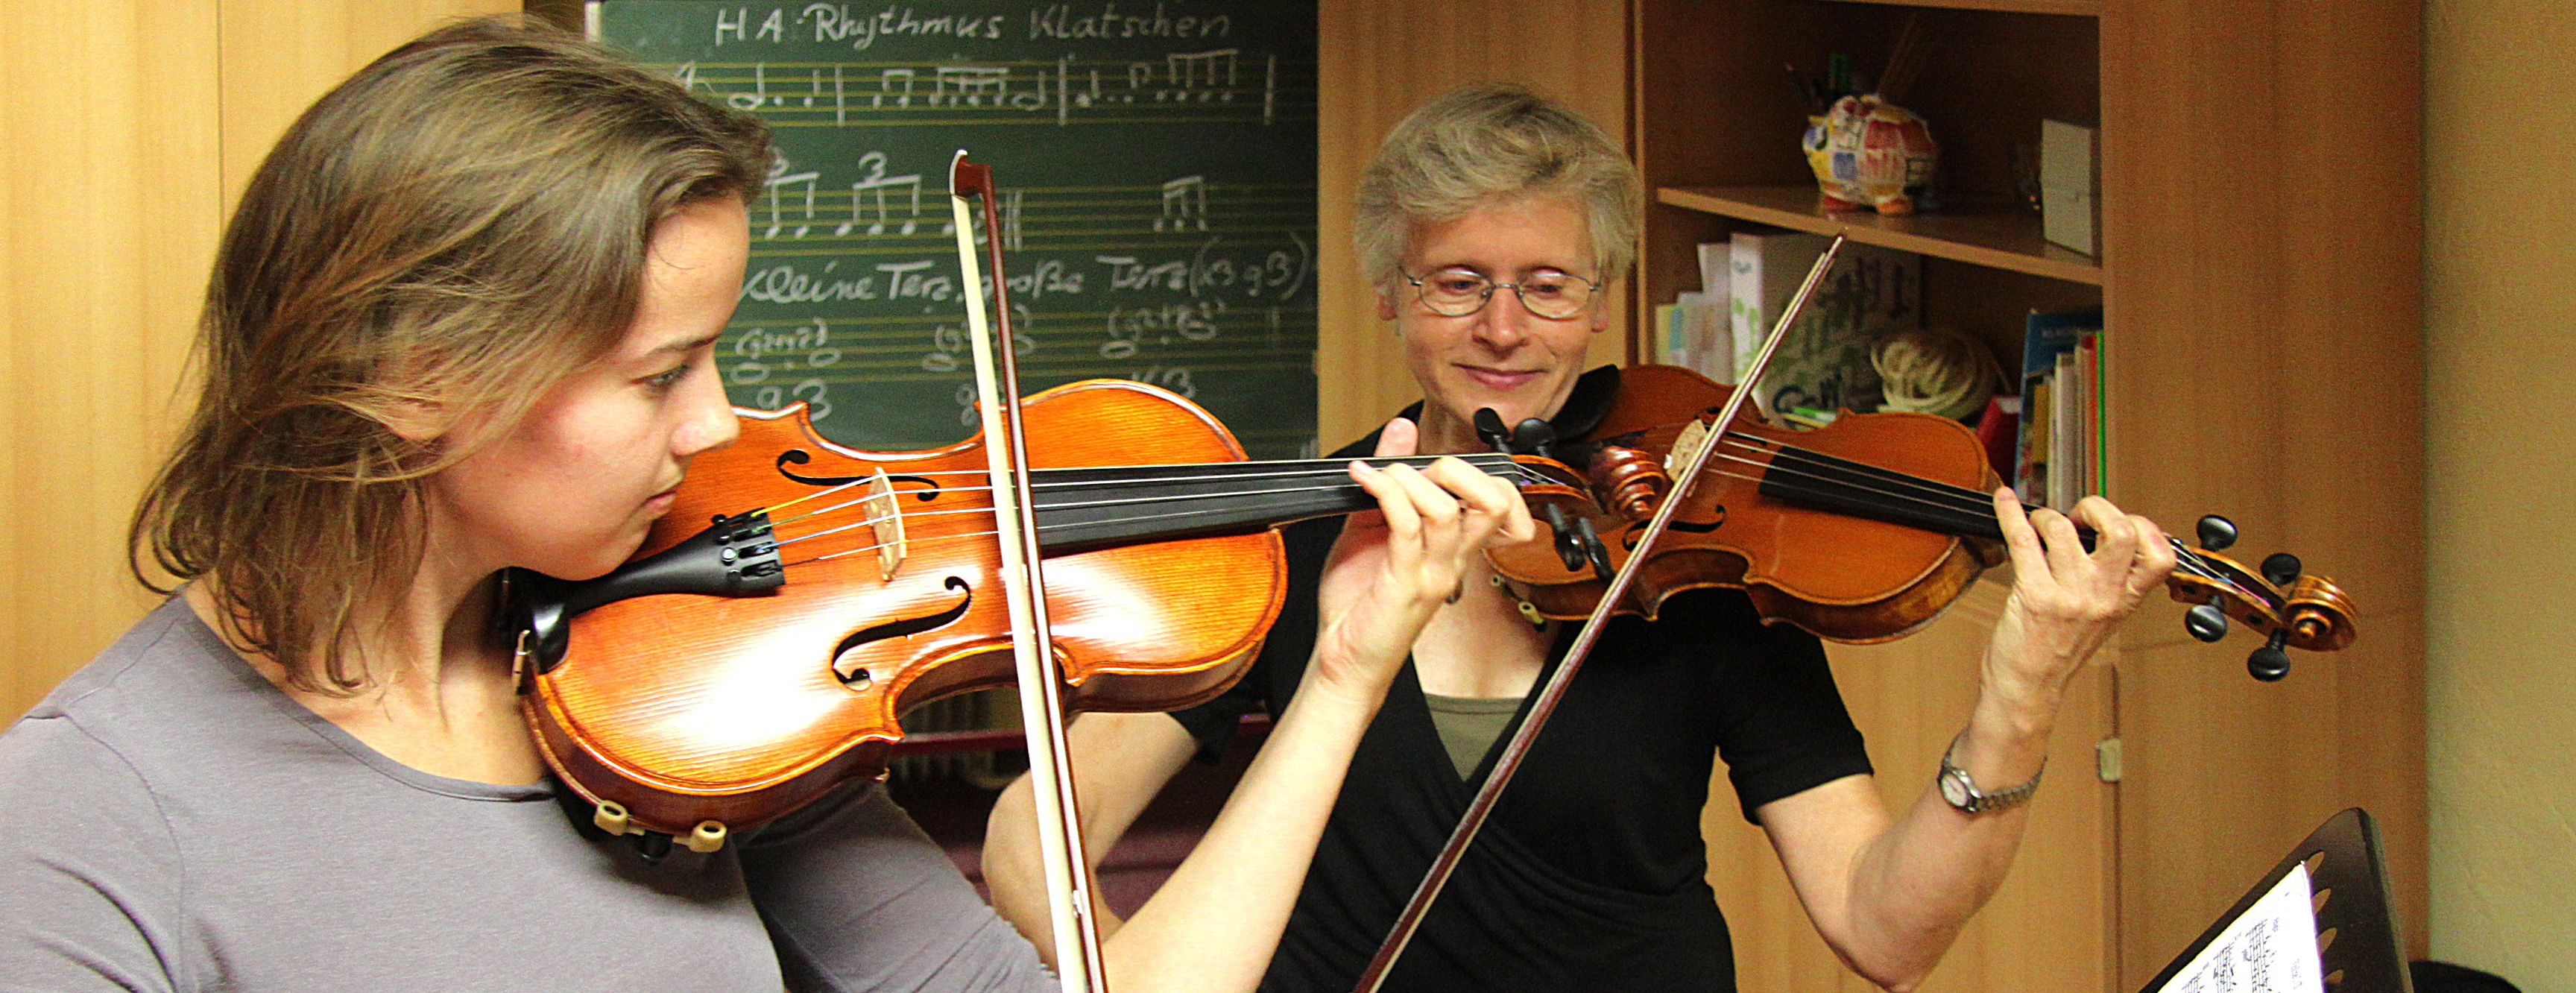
<point>1547,293</point>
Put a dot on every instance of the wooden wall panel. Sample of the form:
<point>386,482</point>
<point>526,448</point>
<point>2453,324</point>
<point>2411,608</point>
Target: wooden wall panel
<point>2265,363</point>
<point>110,194</point>
<point>278,57</point>
<point>135,128</point>
<point>2043,931</point>
<point>1382,58</point>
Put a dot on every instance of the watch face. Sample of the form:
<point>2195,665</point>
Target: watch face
<point>1954,788</point>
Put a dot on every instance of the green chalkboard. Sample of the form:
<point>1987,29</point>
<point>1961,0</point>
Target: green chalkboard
<point>1157,168</point>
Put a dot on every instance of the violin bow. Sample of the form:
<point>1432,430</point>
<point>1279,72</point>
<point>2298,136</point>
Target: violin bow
<point>1491,791</point>
<point>1077,937</point>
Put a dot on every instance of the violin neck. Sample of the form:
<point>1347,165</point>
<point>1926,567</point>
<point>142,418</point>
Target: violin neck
<point>1083,509</point>
<point>1858,489</point>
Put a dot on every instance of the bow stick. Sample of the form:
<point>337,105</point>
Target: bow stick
<point>1492,789</point>
<point>1024,590</point>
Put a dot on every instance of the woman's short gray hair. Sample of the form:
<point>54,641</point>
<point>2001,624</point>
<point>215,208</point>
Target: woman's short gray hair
<point>1487,143</point>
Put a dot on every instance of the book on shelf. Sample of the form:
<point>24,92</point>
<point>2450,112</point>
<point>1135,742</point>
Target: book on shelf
<point>2065,485</point>
<point>1998,429</point>
<point>1823,362</point>
<point>2095,449</point>
<point>2060,450</point>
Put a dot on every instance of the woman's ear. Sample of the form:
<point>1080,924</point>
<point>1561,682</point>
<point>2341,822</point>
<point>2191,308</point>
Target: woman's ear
<point>1386,301</point>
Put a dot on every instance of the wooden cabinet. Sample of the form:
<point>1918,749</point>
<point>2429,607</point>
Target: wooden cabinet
<point>2259,273</point>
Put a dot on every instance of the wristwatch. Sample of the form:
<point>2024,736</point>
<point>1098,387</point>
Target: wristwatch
<point>1962,791</point>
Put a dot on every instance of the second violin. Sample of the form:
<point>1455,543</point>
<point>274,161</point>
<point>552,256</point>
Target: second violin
<point>1861,531</point>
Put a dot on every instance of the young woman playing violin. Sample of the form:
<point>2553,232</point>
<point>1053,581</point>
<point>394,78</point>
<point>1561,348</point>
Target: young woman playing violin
<point>464,319</point>
<point>1492,223</point>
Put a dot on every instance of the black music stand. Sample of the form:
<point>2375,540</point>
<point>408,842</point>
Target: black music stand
<point>2355,927</point>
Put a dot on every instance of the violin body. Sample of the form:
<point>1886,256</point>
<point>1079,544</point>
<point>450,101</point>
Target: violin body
<point>1837,575</point>
<point>1860,531</point>
<point>683,711</point>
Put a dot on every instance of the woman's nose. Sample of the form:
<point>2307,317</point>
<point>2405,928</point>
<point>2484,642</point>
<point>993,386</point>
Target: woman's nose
<point>1503,323</point>
<point>710,423</point>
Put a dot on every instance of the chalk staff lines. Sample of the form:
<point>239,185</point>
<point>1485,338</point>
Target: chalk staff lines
<point>1215,85</point>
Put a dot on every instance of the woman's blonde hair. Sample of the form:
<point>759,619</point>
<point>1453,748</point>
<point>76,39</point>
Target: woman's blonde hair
<point>1485,144</point>
<point>447,232</point>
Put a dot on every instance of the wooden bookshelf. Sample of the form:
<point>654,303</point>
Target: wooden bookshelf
<point>2001,236</point>
<point>2261,365</point>
<point>2082,8</point>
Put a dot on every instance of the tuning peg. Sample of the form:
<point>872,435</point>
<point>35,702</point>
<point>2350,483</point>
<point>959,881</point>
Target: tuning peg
<point>2216,533</point>
<point>2269,663</point>
<point>2205,622</point>
<point>1490,429</point>
<point>2281,568</point>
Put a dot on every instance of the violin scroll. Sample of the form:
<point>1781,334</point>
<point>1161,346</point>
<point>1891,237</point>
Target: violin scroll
<point>1628,482</point>
<point>2292,609</point>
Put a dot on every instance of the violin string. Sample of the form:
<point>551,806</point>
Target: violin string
<point>1337,470</point>
<point>1970,504</point>
<point>1053,476</point>
<point>1043,507</point>
<point>1490,464</point>
<point>1969,507</point>
<point>1937,502</point>
<point>1933,491</point>
<point>1131,519</point>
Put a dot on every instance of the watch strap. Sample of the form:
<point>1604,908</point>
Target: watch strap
<point>1980,801</point>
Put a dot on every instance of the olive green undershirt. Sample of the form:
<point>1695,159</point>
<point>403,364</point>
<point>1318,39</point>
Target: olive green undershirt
<point>1468,726</point>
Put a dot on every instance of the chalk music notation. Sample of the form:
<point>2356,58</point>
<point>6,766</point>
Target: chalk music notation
<point>1218,84</point>
<point>871,202</point>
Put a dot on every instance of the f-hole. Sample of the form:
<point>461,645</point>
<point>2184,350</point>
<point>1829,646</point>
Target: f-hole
<point>1628,539</point>
<point>859,678</point>
<point>798,456</point>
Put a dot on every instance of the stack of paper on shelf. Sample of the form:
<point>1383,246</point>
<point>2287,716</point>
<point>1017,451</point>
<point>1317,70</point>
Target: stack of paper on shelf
<point>1692,331</point>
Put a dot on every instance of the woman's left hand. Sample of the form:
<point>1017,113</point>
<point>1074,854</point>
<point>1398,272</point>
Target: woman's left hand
<point>2065,602</point>
<point>1395,566</point>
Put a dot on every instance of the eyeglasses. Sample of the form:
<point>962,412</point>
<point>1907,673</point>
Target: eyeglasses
<point>1553,295</point>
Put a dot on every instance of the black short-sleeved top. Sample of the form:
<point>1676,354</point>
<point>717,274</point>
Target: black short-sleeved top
<point>1591,873</point>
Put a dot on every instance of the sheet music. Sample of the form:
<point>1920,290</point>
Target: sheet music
<point>2271,948</point>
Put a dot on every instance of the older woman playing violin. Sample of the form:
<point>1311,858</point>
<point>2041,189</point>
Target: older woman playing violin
<point>464,320</point>
<point>1492,223</point>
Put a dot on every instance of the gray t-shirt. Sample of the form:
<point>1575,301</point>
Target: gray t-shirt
<point>169,820</point>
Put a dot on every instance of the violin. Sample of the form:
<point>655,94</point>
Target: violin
<point>1860,531</point>
<point>734,670</point>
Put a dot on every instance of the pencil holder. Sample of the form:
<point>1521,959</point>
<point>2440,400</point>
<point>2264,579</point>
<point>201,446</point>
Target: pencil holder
<point>1869,153</point>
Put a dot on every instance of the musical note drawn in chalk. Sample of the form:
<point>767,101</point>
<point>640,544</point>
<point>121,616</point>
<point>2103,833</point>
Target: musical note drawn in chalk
<point>877,182</point>
<point>1197,73</point>
<point>759,95</point>
<point>777,211</point>
<point>885,86</point>
<point>1178,206</point>
<point>970,85</point>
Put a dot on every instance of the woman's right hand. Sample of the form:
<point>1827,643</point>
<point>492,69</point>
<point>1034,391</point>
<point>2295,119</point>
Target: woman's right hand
<point>1395,566</point>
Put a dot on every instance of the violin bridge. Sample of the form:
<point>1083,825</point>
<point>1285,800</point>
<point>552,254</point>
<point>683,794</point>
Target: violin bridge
<point>1686,446</point>
<point>885,517</point>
